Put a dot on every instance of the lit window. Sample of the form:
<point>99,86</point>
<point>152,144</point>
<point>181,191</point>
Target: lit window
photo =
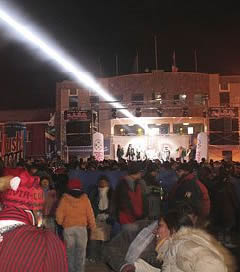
<point>182,97</point>
<point>190,130</point>
<point>159,97</point>
<point>179,98</point>
<point>223,86</point>
<point>73,91</point>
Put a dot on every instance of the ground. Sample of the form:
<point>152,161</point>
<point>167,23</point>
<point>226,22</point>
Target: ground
<point>97,268</point>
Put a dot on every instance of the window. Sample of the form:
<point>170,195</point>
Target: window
<point>179,98</point>
<point>72,91</point>
<point>182,97</point>
<point>73,101</point>
<point>186,128</point>
<point>119,98</point>
<point>94,99</point>
<point>190,130</point>
<point>162,129</point>
<point>224,86</point>
<point>134,130</point>
<point>138,99</point>
<point>198,99</point>
<point>224,99</point>
<point>159,97</point>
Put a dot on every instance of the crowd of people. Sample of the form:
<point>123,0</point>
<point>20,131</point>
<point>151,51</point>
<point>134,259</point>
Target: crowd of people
<point>158,216</point>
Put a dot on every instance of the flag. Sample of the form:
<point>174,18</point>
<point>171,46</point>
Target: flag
<point>195,60</point>
<point>174,66</point>
<point>135,68</point>
<point>156,52</point>
<point>117,65</point>
<point>51,122</point>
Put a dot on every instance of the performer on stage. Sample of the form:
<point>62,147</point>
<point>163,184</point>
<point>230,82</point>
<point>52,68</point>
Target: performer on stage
<point>191,153</point>
<point>165,153</point>
<point>181,153</point>
<point>130,153</point>
<point>120,152</point>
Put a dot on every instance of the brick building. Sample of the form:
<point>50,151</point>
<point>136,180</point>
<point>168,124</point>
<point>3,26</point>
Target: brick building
<point>174,108</point>
<point>23,133</point>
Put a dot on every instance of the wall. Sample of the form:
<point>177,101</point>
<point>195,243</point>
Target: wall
<point>37,146</point>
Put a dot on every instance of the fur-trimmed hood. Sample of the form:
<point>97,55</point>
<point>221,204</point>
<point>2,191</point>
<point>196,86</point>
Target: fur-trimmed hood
<point>188,242</point>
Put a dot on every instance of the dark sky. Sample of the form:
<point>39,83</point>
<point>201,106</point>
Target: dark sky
<point>99,29</point>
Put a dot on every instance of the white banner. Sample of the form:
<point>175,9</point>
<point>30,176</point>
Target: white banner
<point>98,146</point>
<point>202,146</point>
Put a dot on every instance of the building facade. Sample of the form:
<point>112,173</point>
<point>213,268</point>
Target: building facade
<point>171,109</point>
<point>23,134</point>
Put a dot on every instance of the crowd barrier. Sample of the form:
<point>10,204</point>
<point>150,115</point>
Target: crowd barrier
<point>90,178</point>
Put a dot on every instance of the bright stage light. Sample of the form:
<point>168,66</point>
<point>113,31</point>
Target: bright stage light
<point>78,73</point>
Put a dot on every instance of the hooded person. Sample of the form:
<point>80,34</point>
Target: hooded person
<point>25,246</point>
<point>75,214</point>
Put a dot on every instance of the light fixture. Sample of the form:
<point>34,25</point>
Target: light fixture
<point>183,96</point>
<point>139,131</point>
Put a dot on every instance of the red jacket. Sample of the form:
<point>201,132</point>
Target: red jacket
<point>206,204</point>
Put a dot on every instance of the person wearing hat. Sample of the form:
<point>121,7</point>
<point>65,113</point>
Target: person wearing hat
<point>130,198</point>
<point>24,245</point>
<point>75,214</point>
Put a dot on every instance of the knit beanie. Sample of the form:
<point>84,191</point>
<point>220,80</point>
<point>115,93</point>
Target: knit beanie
<point>75,184</point>
<point>28,195</point>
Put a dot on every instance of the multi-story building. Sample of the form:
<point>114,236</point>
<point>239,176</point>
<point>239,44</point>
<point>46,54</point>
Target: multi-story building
<point>172,107</point>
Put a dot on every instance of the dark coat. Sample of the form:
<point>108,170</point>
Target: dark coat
<point>225,204</point>
<point>94,198</point>
<point>186,189</point>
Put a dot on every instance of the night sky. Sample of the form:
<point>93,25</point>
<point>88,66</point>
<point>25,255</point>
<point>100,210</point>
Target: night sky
<point>93,32</point>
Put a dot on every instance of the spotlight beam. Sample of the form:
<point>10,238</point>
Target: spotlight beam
<point>79,74</point>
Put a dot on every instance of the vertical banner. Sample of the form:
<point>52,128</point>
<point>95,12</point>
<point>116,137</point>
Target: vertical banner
<point>98,146</point>
<point>202,146</point>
